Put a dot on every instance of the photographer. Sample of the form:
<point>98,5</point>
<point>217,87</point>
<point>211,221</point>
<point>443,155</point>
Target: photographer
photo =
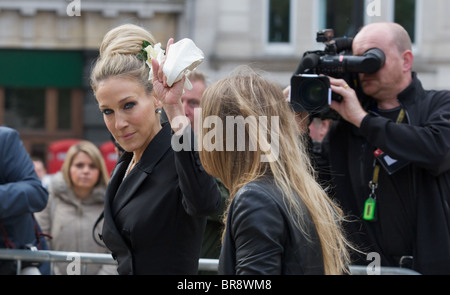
<point>390,161</point>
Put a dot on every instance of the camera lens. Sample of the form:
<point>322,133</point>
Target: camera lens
<point>310,93</point>
<point>314,94</point>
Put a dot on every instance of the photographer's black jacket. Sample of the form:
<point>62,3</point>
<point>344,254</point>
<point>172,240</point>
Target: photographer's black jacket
<point>412,204</point>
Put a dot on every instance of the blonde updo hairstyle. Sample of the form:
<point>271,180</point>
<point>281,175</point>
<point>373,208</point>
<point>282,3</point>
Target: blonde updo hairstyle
<point>118,56</point>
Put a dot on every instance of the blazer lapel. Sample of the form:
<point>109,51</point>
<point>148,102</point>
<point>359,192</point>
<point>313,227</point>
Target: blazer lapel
<point>113,185</point>
<point>115,243</point>
<point>116,180</point>
<point>122,192</point>
<point>126,191</point>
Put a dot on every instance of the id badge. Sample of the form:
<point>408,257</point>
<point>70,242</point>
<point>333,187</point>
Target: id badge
<point>369,213</point>
<point>389,164</point>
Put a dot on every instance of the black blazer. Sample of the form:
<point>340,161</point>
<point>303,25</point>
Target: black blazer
<point>155,218</point>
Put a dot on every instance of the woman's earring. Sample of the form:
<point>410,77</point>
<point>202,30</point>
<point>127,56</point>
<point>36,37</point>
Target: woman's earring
<point>158,111</point>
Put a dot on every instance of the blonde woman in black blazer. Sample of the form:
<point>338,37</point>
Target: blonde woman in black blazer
<point>158,199</point>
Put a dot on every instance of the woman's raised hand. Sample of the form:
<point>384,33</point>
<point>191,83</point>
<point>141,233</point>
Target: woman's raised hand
<point>170,97</point>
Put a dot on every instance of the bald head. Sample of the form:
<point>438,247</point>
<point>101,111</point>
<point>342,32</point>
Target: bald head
<point>395,75</point>
<point>391,32</point>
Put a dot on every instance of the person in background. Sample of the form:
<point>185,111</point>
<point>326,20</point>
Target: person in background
<point>41,171</point>
<point>280,220</point>
<point>21,196</point>
<point>214,226</point>
<point>157,199</point>
<point>76,199</point>
<point>191,98</point>
<point>39,167</point>
<point>390,161</point>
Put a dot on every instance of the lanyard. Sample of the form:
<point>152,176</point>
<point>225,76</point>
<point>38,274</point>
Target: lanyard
<point>369,213</point>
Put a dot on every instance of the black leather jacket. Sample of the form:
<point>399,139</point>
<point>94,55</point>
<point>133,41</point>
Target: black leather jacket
<point>261,238</point>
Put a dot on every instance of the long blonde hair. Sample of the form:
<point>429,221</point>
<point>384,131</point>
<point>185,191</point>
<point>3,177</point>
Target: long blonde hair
<point>247,94</point>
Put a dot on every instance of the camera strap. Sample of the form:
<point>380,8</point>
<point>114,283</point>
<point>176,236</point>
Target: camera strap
<point>10,245</point>
<point>369,213</point>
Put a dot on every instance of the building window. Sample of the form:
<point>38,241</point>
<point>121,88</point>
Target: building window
<point>345,17</point>
<point>41,95</point>
<point>40,109</point>
<point>25,108</point>
<point>279,21</point>
<point>42,115</point>
<point>405,15</point>
<point>280,25</point>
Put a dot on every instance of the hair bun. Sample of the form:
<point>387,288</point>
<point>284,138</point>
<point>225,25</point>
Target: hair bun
<point>118,56</point>
<point>125,39</point>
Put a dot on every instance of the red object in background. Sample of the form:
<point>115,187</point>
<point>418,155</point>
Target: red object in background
<point>109,154</point>
<point>56,154</point>
<point>57,151</point>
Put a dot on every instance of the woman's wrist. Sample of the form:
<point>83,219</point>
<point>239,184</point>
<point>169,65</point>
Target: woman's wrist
<point>177,117</point>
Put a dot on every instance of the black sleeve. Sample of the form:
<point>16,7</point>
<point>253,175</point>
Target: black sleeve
<point>201,196</point>
<point>257,226</point>
<point>426,145</point>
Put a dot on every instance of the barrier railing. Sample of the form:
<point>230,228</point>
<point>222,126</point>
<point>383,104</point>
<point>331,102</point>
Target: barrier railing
<point>384,271</point>
<point>99,258</point>
<point>55,256</point>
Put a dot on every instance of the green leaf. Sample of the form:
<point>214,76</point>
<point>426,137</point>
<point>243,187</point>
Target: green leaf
<point>145,44</point>
<point>142,55</point>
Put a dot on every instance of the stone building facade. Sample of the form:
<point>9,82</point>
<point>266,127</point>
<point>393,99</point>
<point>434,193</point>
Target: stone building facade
<point>47,48</point>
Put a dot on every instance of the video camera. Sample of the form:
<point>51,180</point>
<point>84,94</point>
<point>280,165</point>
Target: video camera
<point>310,89</point>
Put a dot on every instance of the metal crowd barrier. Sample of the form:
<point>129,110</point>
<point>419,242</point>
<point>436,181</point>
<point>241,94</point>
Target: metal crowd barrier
<point>98,258</point>
<point>384,271</point>
<point>55,256</point>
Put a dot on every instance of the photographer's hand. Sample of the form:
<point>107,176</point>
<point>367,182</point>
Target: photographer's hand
<point>349,108</point>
